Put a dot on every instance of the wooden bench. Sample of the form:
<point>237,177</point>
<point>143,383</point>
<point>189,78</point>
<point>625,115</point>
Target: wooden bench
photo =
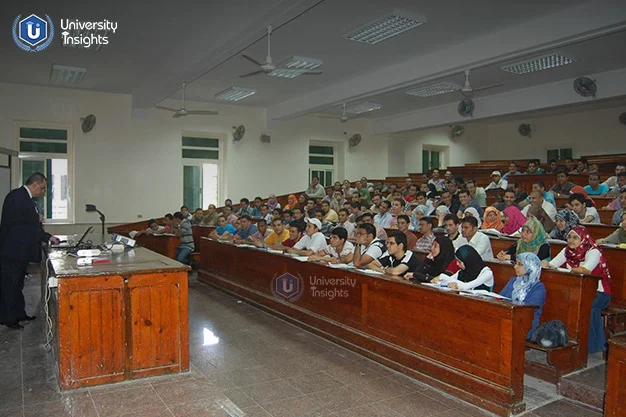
<point>615,400</point>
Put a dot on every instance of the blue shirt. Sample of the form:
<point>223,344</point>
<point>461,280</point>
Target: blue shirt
<point>506,176</point>
<point>242,211</point>
<point>548,196</point>
<point>256,213</point>
<point>602,189</point>
<point>228,228</point>
<point>244,234</point>
<point>478,208</point>
<point>536,296</point>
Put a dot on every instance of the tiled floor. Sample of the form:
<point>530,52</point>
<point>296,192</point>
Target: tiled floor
<point>261,366</point>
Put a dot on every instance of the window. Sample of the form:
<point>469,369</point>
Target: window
<point>430,160</point>
<point>559,154</point>
<point>322,163</point>
<point>201,170</point>
<point>48,149</point>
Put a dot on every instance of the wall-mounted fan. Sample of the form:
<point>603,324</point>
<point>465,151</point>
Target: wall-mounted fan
<point>622,118</point>
<point>354,140</point>
<point>524,129</point>
<point>239,132</point>
<point>457,131</point>
<point>466,107</point>
<point>585,87</point>
<point>182,111</point>
<point>88,123</point>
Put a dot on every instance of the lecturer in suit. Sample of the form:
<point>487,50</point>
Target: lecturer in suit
<point>21,234</point>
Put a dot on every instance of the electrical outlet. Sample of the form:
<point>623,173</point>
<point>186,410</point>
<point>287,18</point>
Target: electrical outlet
<point>140,216</point>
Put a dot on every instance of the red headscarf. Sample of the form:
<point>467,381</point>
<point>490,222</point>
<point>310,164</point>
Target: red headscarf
<point>516,220</point>
<point>575,257</point>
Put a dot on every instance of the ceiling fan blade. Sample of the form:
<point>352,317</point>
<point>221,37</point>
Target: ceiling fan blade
<point>488,87</point>
<point>176,115</point>
<point>166,108</point>
<point>312,73</point>
<point>205,112</point>
<point>254,61</point>
<point>250,74</point>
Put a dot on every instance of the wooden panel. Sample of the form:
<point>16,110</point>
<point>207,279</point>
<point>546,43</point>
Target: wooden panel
<point>615,400</point>
<point>91,332</point>
<point>157,313</point>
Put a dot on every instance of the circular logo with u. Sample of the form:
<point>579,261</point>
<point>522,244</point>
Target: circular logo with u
<point>33,34</point>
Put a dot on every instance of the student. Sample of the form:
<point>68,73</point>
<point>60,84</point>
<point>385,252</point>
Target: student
<point>425,243</point>
<point>520,195</point>
<point>244,208</point>
<point>231,217</point>
<point>344,221</point>
<point>452,223</point>
<point>467,202</point>
<point>211,216</point>
<point>584,213</point>
<point>416,215</point>
<point>547,195</point>
<point>296,231</point>
<point>368,247</point>
<point>326,226</point>
<point>553,166</point>
<point>412,194</point>
<point>565,221</point>
<point>594,187</point>
<point>526,288</point>
<point>312,242</point>
<point>479,241</point>
<point>512,171</point>
<point>492,219</point>
<point>562,187</point>
<point>292,202</point>
<point>223,230</point>
<point>287,216</point>
<point>197,217</point>
<point>438,182</point>
<point>185,212</point>
<point>583,256</point>
<point>533,168</point>
<point>380,232</point>
<point>612,181</point>
<point>315,189</point>
<point>582,167</point>
<point>261,233</point>
<point>507,201</point>
<point>276,214</point>
<point>477,194</point>
<point>256,209</point>
<point>570,165</point>
<point>384,217</point>
<point>618,237</point>
<point>168,221</point>
<point>153,228</point>
<point>329,215</point>
<point>513,221</point>
<point>183,231</point>
<point>474,274</point>
<point>246,229</point>
<point>265,213</point>
<point>617,189</point>
<point>438,261</point>
<point>279,234</point>
<point>533,240</point>
<point>403,222</point>
<point>536,201</point>
<point>338,251</point>
<point>337,201</point>
<point>377,199</point>
<point>497,183</point>
<point>448,201</point>
<point>398,260</point>
<point>472,212</point>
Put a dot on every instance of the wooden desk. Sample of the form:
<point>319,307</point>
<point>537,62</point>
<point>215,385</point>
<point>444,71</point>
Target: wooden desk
<point>165,245</point>
<point>390,321</point>
<point>121,320</point>
<point>615,400</point>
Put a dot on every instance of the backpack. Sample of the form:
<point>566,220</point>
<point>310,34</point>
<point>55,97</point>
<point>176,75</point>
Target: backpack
<point>551,334</point>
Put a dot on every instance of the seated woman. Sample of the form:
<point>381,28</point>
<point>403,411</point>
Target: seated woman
<point>565,220</point>
<point>533,240</point>
<point>419,212</point>
<point>292,202</point>
<point>513,221</point>
<point>474,274</point>
<point>272,203</point>
<point>492,219</point>
<point>438,261</point>
<point>618,237</point>
<point>525,287</point>
<point>472,212</point>
<point>583,256</point>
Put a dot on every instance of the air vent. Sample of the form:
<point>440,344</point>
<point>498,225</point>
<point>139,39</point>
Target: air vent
<point>537,64</point>
<point>62,74</point>
<point>384,28</point>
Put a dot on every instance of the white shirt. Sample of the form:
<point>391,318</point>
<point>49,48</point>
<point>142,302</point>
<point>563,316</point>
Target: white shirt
<point>383,220</point>
<point>485,277</point>
<point>348,248</point>
<point>316,243</point>
<point>482,244</point>
<point>28,191</point>
<point>503,184</point>
<point>611,181</point>
<point>349,226</point>
<point>459,241</point>
<point>547,207</point>
<point>374,249</point>
<point>592,260</point>
<point>591,211</point>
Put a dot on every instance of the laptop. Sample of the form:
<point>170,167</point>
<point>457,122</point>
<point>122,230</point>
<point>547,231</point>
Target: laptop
<point>69,245</point>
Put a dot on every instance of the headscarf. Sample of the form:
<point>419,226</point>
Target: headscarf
<point>292,202</point>
<point>516,220</point>
<point>570,218</point>
<point>442,209</point>
<point>473,264</point>
<point>580,190</point>
<point>496,224</point>
<point>539,237</point>
<point>414,219</point>
<point>523,284</point>
<point>541,215</point>
<point>434,266</point>
<point>574,257</point>
<point>474,213</point>
<point>272,203</point>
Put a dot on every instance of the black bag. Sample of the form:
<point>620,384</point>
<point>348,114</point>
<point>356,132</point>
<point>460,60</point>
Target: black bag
<point>551,334</point>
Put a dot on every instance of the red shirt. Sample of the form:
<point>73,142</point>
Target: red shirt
<point>409,198</point>
<point>289,243</point>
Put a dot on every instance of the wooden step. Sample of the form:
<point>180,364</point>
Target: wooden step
<point>587,386</point>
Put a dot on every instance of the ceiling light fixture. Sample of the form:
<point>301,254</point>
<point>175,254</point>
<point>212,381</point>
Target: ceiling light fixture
<point>443,87</point>
<point>295,66</point>
<point>235,93</point>
<point>537,64</point>
<point>389,26</point>
<point>61,74</point>
<point>362,107</point>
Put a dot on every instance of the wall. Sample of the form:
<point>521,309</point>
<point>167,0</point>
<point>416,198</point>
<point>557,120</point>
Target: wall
<point>132,165</point>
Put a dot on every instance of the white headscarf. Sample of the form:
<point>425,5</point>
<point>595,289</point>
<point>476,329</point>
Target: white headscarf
<point>474,214</point>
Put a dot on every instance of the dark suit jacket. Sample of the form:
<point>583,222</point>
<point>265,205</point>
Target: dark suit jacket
<point>21,233</point>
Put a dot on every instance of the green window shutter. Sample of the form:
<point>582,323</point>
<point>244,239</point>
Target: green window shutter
<point>321,150</point>
<point>44,147</point>
<point>36,133</point>
<point>321,160</point>
<point>201,142</point>
<point>200,154</point>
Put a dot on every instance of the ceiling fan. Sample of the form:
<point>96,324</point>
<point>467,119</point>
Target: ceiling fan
<point>268,66</point>
<point>343,118</point>
<point>182,111</point>
<point>467,89</point>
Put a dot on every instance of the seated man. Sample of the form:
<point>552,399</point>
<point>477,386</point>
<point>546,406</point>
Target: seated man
<point>536,199</point>
<point>279,234</point>
<point>585,214</point>
<point>231,217</point>
<point>477,194</point>
<point>153,228</point>
<point>421,200</point>
<point>438,182</point>
<point>497,183</point>
<point>403,222</point>
<point>244,207</point>
<point>296,231</point>
<point>326,226</point>
<point>611,182</point>
<point>265,213</point>
<point>447,200</point>
<point>425,243</point>
<point>507,201</point>
<point>355,212</point>
<point>595,188</point>
<point>245,230</point>
<point>466,202</point>
<point>312,242</point>
<point>262,232</point>
<point>211,216</point>
<point>621,183</point>
<point>618,205</point>
<point>380,231</point>
<point>330,215</point>
<point>197,217</point>
<point>407,186</point>
<point>412,194</point>
<point>476,239</point>
<point>338,251</point>
<point>448,175</point>
<point>570,165</point>
<point>168,223</point>
<point>287,216</point>
<point>344,221</point>
<point>315,189</point>
<point>533,168</point>
<point>376,200</point>
<point>308,209</point>
<point>582,167</point>
<point>547,195</point>
<point>384,217</point>
<point>256,210</point>
<point>452,223</point>
<point>562,187</point>
<point>183,231</point>
<point>368,247</point>
<point>398,260</point>
<point>185,211</point>
<point>553,166</point>
<point>520,195</point>
<point>512,171</point>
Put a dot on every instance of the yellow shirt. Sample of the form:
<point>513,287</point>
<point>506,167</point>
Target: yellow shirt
<point>331,216</point>
<point>274,239</point>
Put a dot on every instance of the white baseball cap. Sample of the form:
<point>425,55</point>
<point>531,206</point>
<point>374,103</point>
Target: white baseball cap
<point>496,173</point>
<point>316,222</point>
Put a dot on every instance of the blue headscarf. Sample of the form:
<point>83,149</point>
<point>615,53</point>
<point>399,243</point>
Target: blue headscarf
<point>523,284</point>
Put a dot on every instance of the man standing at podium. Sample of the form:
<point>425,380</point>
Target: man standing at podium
<point>21,234</point>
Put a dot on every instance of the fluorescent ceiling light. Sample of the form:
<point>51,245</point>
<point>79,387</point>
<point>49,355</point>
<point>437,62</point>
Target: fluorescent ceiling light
<point>295,66</point>
<point>537,64</point>
<point>434,89</point>
<point>62,74</point>
<point>362,107</point>
<point>235,93</point>
<point>391,25</point>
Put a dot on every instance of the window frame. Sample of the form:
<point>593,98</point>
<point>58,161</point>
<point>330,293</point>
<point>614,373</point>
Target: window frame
<point>221,183</point>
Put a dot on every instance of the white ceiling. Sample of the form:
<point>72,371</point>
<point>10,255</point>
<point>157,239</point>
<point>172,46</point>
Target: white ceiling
<point>159,45</point>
